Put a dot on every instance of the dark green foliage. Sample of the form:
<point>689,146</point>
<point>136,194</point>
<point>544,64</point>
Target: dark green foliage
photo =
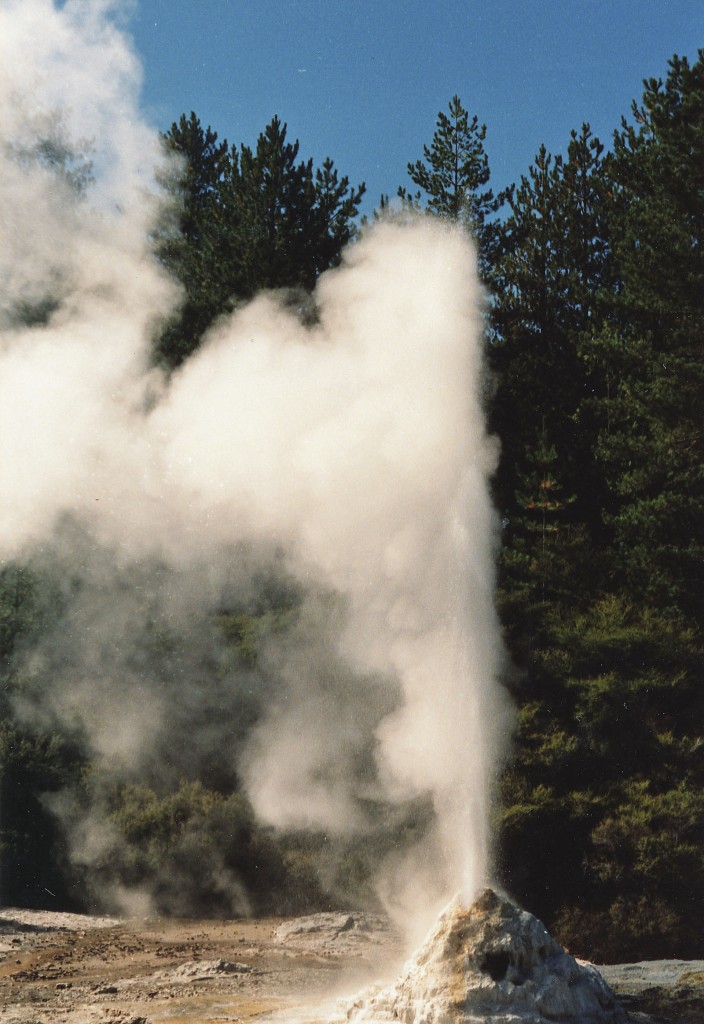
<point>199,853</point>
<point>457,165</point>
<point>244,632</point>
<point>645,857</point>
<point>34,868</point>
<point>346,866</point>
<point>451,181</point>
<point>289,222</point>
<point>597,332</point>
<point>33,762</point>
<point>18,588</point>
<point>609,725</point>
<point>248,219</point>
<point>650,412</point>
<point>537,564</point>
<point>189,246</point>
<point>549,281</point>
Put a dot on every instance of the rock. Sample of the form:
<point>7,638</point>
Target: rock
<point>328,925</point>
<point>649,974</point>
<point>15,919</point>
<point>106,990</point>
<point>333,932</point>
<point>667,989</point>
<point>491,962</point>
<point>202,970</point>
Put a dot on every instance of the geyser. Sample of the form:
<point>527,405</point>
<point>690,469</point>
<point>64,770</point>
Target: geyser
<point>491,962</point>
<point>352,453</point>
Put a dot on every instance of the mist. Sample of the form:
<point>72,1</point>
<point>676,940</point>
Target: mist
<point>333,476</point>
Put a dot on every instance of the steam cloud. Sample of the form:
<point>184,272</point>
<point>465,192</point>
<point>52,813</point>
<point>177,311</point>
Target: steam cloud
<point>347,461</point>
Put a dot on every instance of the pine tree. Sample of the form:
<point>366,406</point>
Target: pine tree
<point>553,282</point>
<point>538,567</point>
<point>529,352</point>
<point>612,669</point>
<point>452,177</point>
<point>190,242</point>
<point>287,222</point>
<point>248,219</point>
<point>651,441</point>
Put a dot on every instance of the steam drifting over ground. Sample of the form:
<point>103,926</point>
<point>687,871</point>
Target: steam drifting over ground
<point>346,463</point>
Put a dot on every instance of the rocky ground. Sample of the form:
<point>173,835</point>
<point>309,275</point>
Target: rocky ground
<point>69,969</point>
<point>671,991</point>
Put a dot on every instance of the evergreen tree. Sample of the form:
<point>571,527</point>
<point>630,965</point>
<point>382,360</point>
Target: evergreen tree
<point>552,280</point>
<point>651,409</point>
<point>286,222</point>
<point>198,178</point>
<point>336,207</point>
<point>248,219</point>
<point>190,244</point>
<point>452,177</point>
<point>540,561</point>
<point>598,339</point>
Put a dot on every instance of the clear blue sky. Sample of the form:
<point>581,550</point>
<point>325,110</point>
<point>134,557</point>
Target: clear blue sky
<point>362,81</point>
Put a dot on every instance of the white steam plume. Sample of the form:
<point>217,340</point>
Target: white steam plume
<point>357,447</point>
<point>360,446</point>
<point>68,95</point>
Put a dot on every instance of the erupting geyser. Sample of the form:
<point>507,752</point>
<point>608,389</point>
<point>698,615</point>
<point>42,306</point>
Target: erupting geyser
<point>352,453</point>
<point>491,963</point>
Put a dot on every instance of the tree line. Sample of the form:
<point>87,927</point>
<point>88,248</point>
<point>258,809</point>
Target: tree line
<point>594,267</point>
<point>248,219</point>
<point>596,346</point>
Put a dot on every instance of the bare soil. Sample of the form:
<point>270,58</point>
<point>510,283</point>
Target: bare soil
<point>69,969</point>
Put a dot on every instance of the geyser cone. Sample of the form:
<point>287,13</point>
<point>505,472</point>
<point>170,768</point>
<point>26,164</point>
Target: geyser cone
<point>491,961</point>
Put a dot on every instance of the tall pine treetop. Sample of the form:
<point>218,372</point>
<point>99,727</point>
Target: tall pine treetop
<point>453,174</point>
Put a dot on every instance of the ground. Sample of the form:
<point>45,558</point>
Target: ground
<point>69,969</point>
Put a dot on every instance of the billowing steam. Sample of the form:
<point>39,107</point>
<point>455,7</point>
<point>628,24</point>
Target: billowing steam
<point>345,464</point>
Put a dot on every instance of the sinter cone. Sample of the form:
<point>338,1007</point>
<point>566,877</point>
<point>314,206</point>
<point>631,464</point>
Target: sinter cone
<point>493,962</point>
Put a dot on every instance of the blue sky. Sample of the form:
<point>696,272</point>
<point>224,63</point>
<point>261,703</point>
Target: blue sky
<point>362,81</point>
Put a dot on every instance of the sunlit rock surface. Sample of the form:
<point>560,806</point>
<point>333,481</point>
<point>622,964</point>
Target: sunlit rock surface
<point>493,962</point>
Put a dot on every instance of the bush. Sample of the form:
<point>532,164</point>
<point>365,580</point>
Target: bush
<point>200,853</point>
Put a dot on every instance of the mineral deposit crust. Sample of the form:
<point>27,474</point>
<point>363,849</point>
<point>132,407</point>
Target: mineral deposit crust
<point>491,962</point>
